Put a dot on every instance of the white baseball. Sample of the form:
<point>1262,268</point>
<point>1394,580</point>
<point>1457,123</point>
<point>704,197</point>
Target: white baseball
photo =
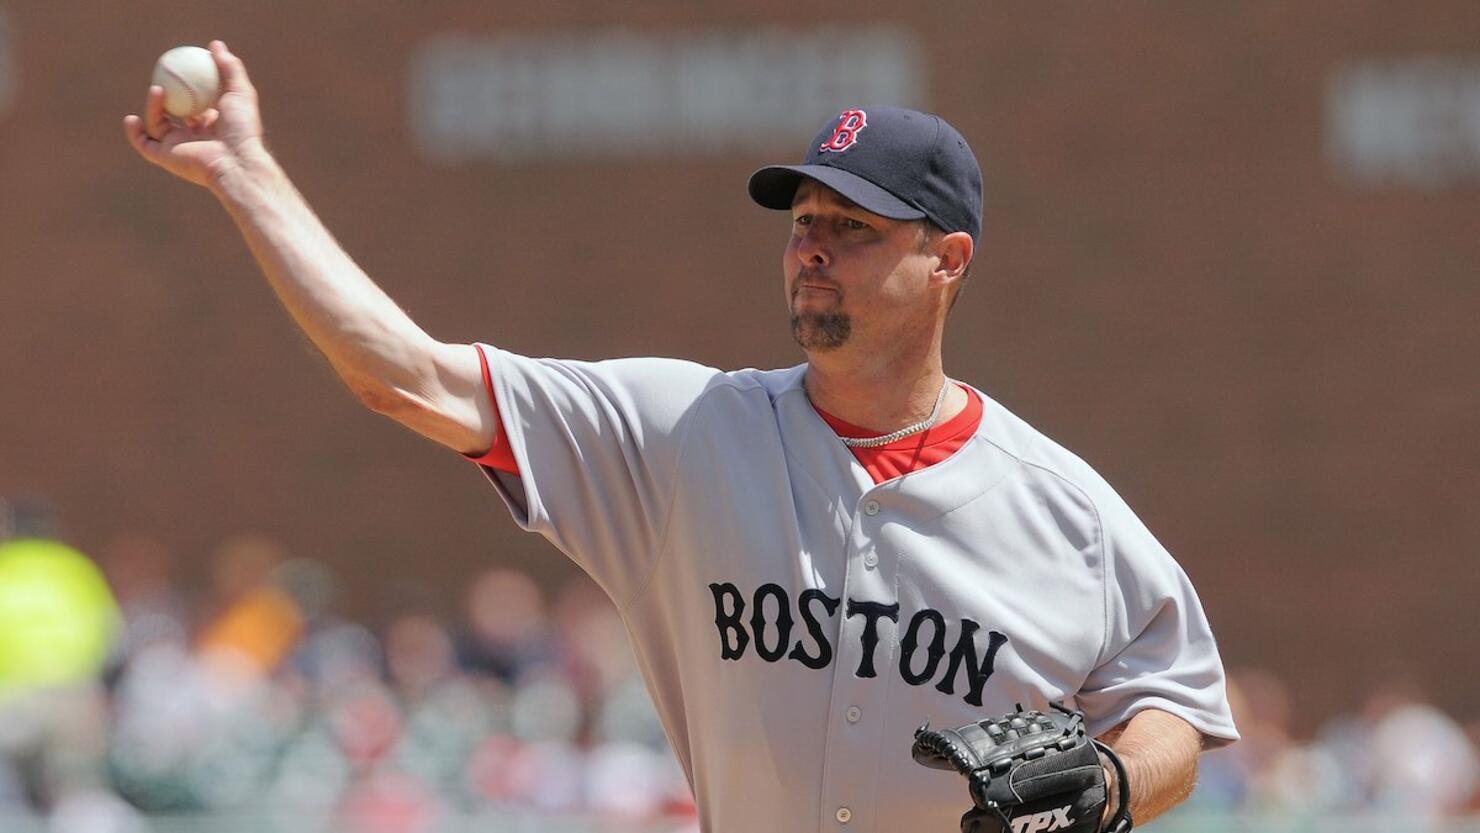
<point>190,79</point>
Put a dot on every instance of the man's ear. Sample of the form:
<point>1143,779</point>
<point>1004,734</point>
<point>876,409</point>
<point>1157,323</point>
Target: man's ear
<point>955,251</point>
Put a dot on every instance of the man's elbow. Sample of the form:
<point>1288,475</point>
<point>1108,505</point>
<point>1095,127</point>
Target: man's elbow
<point>389,392</point>
<point>440,421</point>
<point>380,398</point>
<point>414,411</point>
<point>440,395</point>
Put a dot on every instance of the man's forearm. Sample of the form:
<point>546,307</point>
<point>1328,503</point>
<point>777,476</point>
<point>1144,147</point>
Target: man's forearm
<point>391,364</point>
<point>1160,752</point>
<point>374,346</point>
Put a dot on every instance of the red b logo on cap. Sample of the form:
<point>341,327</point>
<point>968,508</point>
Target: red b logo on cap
<point>846,133</point>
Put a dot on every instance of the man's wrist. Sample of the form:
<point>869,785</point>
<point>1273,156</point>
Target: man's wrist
<point>1112,792</point>
<point>248,169</point>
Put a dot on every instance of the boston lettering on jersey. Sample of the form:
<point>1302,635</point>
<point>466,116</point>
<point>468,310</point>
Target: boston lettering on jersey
<point>922,649</point>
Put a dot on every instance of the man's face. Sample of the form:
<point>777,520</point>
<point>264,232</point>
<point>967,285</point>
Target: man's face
<point>850,275</point>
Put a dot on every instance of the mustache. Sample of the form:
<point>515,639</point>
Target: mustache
<point>814,276</point>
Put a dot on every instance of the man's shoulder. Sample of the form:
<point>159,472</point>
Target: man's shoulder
<point>775,382</point>
<point>1042,457</point>
<point>678,370</point>
<point>692,380</point>
<point>646,381</point>
<point>1063,480</point>
<point>1017,437</point>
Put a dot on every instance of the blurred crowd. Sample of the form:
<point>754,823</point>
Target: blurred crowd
<point>256,695</point>
<point>253,694</point>
<point>1397,756</point>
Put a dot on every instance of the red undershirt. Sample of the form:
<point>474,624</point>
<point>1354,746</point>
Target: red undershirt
<point>501,456</point>
<point>915,452</point>
<point>886,462</point>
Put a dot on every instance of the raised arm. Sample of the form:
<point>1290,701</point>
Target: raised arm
<point>390,363</point>
<point>1160,752</point>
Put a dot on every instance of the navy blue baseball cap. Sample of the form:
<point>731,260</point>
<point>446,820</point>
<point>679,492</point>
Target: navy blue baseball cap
<point>897,163</point>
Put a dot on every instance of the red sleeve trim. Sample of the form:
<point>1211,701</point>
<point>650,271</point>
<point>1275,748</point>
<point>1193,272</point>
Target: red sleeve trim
<point>501,455</point>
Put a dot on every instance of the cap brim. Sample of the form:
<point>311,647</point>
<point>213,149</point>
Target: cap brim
<point>776,185</point>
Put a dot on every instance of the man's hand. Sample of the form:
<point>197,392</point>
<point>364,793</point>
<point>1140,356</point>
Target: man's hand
<point>209,146</point>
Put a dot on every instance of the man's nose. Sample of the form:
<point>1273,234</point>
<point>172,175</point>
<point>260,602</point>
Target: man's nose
<point>812,249</point>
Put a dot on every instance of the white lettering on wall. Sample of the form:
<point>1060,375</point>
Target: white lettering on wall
<point>8,74</point>
<point>1413,122</point>
<point>624,93</point>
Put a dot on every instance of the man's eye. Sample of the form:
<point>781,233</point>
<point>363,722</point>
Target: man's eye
<point>802,220</point>
<point>854,225</point>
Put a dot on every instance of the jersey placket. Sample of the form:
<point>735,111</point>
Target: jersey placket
<point>867,640</point>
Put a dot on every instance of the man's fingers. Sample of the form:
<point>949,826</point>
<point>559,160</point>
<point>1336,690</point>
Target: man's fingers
<point>133,129</point>
<point>156,123</point>
<point>233,71</point>
<point>203,120</point>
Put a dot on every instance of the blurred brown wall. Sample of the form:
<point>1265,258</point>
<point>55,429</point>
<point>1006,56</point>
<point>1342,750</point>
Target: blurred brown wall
<point>1277,369</point>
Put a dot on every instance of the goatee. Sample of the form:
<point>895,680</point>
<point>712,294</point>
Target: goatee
<point>821,331</point>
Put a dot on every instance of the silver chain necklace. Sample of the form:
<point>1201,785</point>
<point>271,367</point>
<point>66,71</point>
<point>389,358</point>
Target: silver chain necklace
<point>927,422</point>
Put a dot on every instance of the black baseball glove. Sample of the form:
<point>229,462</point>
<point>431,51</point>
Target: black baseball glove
<point>1029,772</point>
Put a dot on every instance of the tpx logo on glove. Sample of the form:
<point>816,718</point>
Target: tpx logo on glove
<point>1044,822</point>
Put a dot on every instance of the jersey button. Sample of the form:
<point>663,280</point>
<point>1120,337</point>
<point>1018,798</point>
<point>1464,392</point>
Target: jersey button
<point>854,714</point>
<point>843,815</point>
<point>871,508</point>
<point>870,559</point>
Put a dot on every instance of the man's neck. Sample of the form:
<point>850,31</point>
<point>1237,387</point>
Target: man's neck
<point>881,399</point>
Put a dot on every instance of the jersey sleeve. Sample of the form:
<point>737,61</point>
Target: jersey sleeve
<point>498,456</point>
<point>1159,650</point>
<point>596,446</point>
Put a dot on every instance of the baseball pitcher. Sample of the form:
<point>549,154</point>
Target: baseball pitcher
<point>840,578</point>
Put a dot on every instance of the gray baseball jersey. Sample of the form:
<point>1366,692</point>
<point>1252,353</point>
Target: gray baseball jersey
<point>795,622</point>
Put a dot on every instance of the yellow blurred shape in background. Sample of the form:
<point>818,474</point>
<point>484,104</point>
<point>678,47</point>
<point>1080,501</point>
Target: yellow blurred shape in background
<point>57,615</point>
